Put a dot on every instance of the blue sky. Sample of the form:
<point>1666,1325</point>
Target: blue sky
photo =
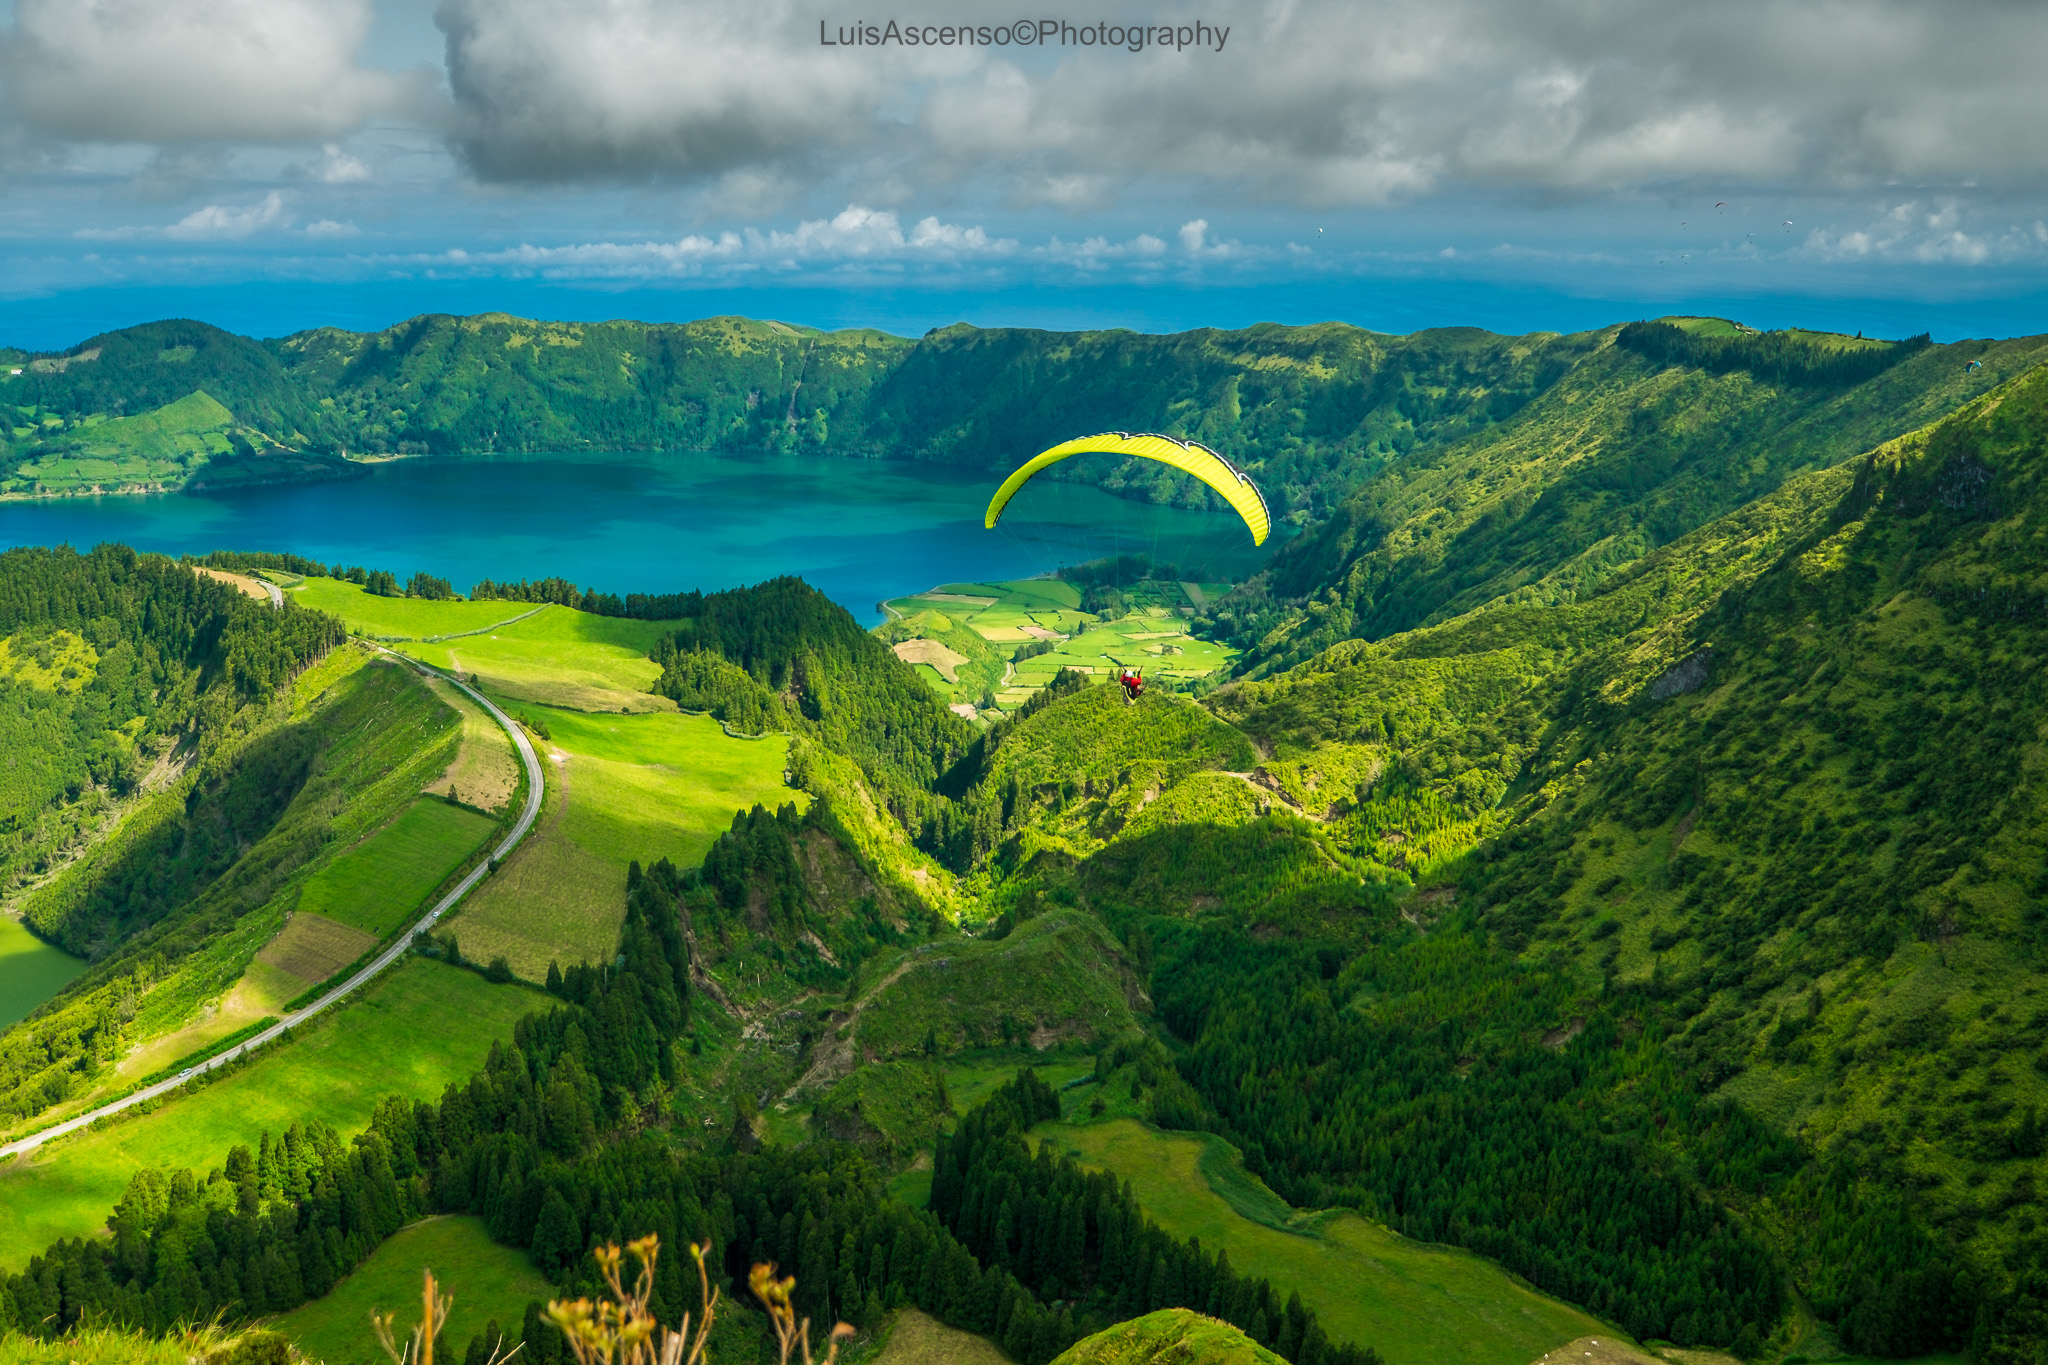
<point>1536,164</point>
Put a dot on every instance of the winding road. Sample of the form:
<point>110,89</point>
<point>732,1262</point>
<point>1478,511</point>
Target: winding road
<point>384,959</point>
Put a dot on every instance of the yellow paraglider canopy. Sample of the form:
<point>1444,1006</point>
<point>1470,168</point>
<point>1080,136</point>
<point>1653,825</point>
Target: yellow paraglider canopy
<point>1191,456</point>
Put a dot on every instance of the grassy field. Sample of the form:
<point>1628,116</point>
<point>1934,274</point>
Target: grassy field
<point>488,1282</point>
<point>1415,1304</point>
<point>621,788</point>
<point>377,885</point>
<point>916,1339</point>
<point>368,615</point>
<point>31,971</point>
<point>423,1025</point>
<point>561,658</point>
<point>485,770</point>
<point>972,1076</point>
<point>263,990</point>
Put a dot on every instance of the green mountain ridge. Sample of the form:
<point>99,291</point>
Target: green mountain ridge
<point>1620,855</point>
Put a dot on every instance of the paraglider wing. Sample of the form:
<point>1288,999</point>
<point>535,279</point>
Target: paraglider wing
<point>1189,456</point>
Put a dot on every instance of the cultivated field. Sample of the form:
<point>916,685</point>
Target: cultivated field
<point>419,1027</point>
<point>621,788</point>
<point>485,770</point>
<point>488,1283</point>
<point>377,885</point>
<point>1147,634</point>
<point>1414,1304</point>
<point>312,948</point>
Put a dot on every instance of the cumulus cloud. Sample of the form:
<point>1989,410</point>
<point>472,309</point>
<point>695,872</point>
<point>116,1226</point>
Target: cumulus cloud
<point>568,90</point>
<point>856,234</point>
<point>1310,102</point>
<point>214,222</point>
<point>856,237</point>
<point>170,71</point>
<point>1942,231</point>
<point>337,167</point>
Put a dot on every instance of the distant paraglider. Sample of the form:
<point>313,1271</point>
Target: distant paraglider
<point>1973,365</point>
<point>1189,456</point>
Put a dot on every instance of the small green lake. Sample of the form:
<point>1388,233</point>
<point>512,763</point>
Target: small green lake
<point>31,971</point>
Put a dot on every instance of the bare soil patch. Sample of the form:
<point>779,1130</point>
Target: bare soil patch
<point>242,583</point>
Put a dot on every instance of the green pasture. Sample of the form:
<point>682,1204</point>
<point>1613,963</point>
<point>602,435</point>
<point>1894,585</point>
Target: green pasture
<point>912,1338</point>
<point>31,971</point>
<point>560,657</point>
<point>369,615</point>
<point>626,788</point>
<point>377,885</point>
<point>488,1282</point>
<point>972,1077</point>
<point>421,1026</point>
<point>1414,1304</point>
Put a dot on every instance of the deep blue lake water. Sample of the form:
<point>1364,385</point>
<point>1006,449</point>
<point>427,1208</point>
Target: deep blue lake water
<point>860,530</point>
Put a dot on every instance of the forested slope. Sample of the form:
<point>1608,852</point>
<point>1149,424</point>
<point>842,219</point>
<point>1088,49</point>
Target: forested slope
<point>1444,466</point>
<point>1639,444</point>
<point>1723,970</point>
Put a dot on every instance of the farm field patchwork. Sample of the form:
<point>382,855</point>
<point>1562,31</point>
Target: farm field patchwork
<point>1147,633</point>
<point>1414,1304</point>
<point>421,1026</point>
<point>488,1283</point>
<point>621,788</point>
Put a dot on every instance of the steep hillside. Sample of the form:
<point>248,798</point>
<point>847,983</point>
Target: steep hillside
<point>1640,443</point>
<point>1450,465</point>
<point>1738,854</point>
<point>176,901</point>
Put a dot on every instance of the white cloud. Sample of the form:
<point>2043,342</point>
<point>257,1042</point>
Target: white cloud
<point>1191,234</point>
<point>217,221</point>
<point>329,227</point>
<point>856,237</point>
<point>569,90</point>
<point>214,222</point>
<point>337,167</point>
<point>857,234</point>
<point>1942,231</point>
<point>1312,102</point>
<point>171,71</point>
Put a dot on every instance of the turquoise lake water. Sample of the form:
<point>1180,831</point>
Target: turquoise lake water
<point>860,530</point>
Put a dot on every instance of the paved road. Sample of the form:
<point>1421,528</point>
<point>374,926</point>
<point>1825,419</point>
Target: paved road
<point>276,593</point>
<point>384,959</point>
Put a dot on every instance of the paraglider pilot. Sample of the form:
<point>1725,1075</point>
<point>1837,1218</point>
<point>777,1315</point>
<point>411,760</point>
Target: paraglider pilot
<point>1133,683</point>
